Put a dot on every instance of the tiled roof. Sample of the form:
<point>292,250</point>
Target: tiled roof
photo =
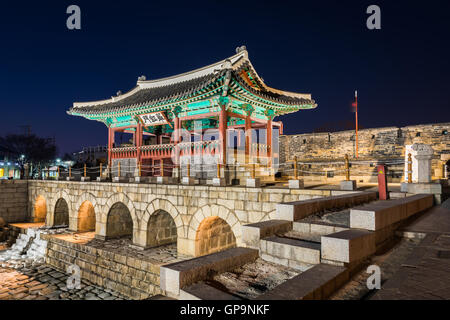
<point>148,93</point>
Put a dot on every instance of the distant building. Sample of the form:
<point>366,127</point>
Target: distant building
<point>8,169</point>
<point>92,155</point>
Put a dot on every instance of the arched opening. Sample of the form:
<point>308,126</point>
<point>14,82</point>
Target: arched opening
<point>86,217</point>
<point>40,209</point>
<point>213,235</point>
<point>61,216</point>
<point>119,223</point>
<point>161,229</point>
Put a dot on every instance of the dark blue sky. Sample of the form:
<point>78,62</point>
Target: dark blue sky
<point>322,47</point>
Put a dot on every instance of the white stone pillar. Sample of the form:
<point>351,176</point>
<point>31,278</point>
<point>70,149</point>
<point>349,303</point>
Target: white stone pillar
<point>421,162</point>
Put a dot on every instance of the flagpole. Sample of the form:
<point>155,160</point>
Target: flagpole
<point>356,118</point>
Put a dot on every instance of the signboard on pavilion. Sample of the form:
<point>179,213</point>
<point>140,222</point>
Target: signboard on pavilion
<point>153,119</point>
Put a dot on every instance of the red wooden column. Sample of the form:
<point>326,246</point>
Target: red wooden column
<point>138,138</point>
<point>175,138</point>
<point>223,133</point>
<point>269,141</point>
<point>110,143</point>
<point>248,138</point>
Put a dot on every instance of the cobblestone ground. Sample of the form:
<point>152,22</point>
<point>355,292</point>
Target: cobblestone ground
<point>389,263</point>
<point>28,280</point>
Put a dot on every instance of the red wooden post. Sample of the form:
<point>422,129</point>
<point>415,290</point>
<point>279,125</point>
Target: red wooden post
<point>138,142</point>
<point>382,182</point>
<point>110,143</point>
<point>223,133</point>
<point>248,138</point>
<point>269,141</point>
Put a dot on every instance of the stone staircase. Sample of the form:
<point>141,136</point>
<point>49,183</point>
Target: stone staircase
<point>291,242</point>
<point>324,254</point>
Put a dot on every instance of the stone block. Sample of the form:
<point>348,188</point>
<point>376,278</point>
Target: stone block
<point>378,216</point>
<point>85,179</point>
<point>120,179</point>
<point>202,291</point>
<point>144,179</point>
<point>296,184</point>
<point>348,246</point>
<point>348,185</point>
<point>317,282</point>
<point>188,181</point>
<point>219,182</point>
<point>292,249</point>
<point>162,180</point>
<point>253,183</point>
<point>176,276</point>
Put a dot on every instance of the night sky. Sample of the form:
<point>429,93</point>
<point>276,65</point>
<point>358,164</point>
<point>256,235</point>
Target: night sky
<point>401,72</point>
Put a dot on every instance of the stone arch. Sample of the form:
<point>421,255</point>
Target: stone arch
<point>61,194</point>
<point>161,229</point>
<point>86,220</point>
<point>119,222</point>
<point>165,205</point>
<point>40,209</point>
<point>61,213</point>
<point>93,200</point>
<point>218,211</point>
<point>213,235</point>
<point>119,197</point>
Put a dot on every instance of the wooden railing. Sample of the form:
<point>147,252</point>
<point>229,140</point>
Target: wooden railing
<point>259,149</point>
<point>157,150</point>
<point>125,152</point>
<point>199,147</point>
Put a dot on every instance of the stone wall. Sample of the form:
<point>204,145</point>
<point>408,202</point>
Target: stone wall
<point>382,144</point>
<point>14,200</point>
<point>135,278</point>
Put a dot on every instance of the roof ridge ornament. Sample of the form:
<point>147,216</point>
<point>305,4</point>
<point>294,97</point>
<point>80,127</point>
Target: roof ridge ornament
<point>240,49</point>
<point>142,78</point>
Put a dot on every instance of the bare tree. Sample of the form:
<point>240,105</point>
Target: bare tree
<point>35,151</point>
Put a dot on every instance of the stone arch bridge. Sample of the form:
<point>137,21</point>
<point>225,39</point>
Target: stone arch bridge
<point>200,219</point>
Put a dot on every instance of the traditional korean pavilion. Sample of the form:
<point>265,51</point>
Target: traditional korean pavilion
<point>228,97</point>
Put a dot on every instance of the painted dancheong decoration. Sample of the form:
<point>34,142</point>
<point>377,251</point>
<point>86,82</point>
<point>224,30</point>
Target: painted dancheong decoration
<point>225,96</point>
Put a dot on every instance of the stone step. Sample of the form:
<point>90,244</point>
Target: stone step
<point>317,283</point>
<point>254,232</point>
<point>177,276</point>
<point>348,246</point>
<point>289,252</point>
<point>303,236</point>
<point>385,213</point>
<point>203,291</point>
<point>297,210</point>
<point>316,229</point>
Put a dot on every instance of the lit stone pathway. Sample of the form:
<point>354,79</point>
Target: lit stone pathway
<point>27,280</point>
